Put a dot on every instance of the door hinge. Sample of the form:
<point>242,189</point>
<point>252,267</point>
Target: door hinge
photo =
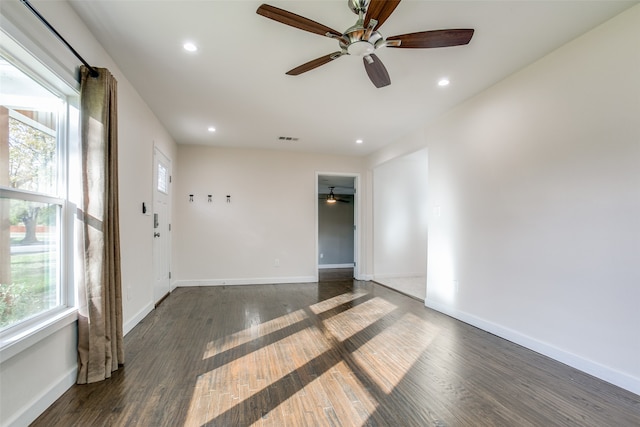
<point>169,179</point>
<point>169,275</point>
<point>169,227</point>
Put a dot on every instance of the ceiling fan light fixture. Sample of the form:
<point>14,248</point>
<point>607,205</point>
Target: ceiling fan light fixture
<point>331,198</point>
<point>361,48</point>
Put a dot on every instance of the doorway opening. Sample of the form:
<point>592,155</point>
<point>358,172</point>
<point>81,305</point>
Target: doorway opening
<point>400,213</point>
<point>337,226</point>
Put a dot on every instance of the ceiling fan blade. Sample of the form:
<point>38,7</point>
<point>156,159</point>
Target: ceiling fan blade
<point>380,10</point>
<point>314,64</point>
<point>436,38</point>
<point>376,71</point>
<point>294,20</point>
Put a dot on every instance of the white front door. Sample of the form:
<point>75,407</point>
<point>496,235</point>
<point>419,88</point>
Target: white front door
<point>161,225</point>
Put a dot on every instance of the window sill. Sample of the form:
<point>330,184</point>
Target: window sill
<point>16,343</point>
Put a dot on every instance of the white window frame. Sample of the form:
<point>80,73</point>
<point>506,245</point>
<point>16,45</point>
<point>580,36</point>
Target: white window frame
<point>23,335</point>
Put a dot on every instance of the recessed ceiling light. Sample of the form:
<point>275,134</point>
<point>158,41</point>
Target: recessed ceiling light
<point>443,82</point>
<point>190,47</point>
<point>211,129</point>
<point>358,141</point>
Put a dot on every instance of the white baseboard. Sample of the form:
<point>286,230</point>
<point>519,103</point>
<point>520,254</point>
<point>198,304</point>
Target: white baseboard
<point>137,318</point>
<point>590,367</point>
<point>399,276</point>
<point>325,266</point>
<point>253,281</point>
<point>45,399</point>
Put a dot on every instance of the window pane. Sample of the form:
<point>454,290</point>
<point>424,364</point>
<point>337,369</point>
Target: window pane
<point>28,132</point>
<point>162,178</point>
<point>29,245</point>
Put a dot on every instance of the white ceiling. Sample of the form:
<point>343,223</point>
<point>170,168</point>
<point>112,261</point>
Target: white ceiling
<point>236,80</point>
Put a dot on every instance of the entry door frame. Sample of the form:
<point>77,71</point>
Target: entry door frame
<point>357,221</point>
<point>164,228</point>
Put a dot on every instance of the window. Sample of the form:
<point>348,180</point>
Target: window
<point>34,122</point>
<point>163,178</point>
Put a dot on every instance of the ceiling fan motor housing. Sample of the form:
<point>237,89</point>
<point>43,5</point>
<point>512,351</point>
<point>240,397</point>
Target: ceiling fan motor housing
<point>355,41</point>
<point>358,6</point>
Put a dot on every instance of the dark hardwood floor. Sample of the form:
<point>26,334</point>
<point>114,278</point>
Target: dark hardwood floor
<point>336,353</point>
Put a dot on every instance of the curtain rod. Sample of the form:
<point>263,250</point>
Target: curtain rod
<point>92,71</point>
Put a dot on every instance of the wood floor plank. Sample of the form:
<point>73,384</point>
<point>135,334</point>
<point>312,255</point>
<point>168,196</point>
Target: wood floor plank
<point>335,353</point>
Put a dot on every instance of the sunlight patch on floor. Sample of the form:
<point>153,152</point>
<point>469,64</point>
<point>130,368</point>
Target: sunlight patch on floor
<point>248,376</point>
<point>254,331</point>
<point>339,393</point>
<point>336,301</point>
<point>350,322</point>
<point>260,380</point>
<point>398,346</point>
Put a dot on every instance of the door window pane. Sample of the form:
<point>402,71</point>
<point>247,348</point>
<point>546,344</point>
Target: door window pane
<point>163,178</point>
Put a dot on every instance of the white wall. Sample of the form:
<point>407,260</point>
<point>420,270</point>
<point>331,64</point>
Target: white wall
<point>400,216</point>
<point>537,186</point>
<point>272,214</point>
<point>33,379</point>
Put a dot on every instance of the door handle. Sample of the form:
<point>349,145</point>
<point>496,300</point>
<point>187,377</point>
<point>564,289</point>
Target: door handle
<point>156,234</point>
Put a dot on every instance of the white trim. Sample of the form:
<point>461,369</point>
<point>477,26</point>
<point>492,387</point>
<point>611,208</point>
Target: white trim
<point>252,281</point>
<point>14,343</point>
<point>598,370</point>
<point>19,32</point>
<point>357,222</point>
<point>400,276</point>
<point>325,266</point>
<point>38,405</point>
<point>137,318</point>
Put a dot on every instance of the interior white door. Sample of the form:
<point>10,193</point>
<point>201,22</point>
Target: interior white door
<point>161,225</point>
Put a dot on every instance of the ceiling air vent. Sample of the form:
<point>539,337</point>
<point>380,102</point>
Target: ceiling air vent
<point>287,138</point>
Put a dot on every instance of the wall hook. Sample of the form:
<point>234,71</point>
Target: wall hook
<point>191,197</point>
<point>209,198</point>
<point>228,198</point>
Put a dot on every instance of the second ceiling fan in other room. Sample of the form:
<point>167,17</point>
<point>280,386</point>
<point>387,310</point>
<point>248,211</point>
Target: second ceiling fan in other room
<point>331,197</point>
<point>363,38</point>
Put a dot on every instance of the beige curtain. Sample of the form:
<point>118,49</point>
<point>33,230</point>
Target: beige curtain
<point>100,343</point>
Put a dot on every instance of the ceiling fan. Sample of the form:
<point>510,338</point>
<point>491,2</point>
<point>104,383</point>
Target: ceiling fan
<point>331,197</point>
<point>362,39</point>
